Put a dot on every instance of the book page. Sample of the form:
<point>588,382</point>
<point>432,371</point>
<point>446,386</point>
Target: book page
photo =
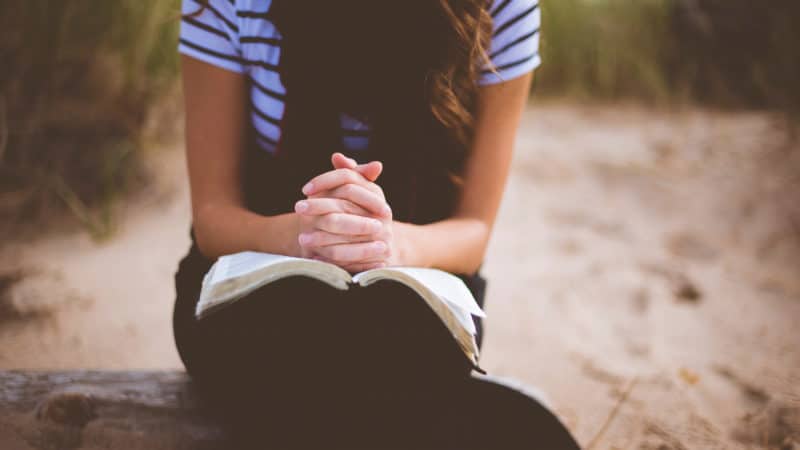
<point>234,276</point>
<point>239,264</point>
<point>463,317</point>
<point>446,294</point>
<point>447,286</point>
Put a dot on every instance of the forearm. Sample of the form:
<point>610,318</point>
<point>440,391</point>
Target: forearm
<point>224,229</point>
<point>455,245</point>
<point>459,244</point>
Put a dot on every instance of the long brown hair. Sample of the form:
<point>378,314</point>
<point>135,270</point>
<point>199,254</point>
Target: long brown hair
<point>453,85</point>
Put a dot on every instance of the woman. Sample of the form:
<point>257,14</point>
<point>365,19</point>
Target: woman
<point>282,97</point>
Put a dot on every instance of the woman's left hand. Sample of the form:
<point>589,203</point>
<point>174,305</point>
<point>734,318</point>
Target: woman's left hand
<point>347,181</point>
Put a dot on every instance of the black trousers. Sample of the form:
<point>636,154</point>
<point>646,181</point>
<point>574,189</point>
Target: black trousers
<point>298,364</point>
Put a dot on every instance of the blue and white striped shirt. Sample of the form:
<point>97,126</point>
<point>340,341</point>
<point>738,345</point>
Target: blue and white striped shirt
<point>236,35</point>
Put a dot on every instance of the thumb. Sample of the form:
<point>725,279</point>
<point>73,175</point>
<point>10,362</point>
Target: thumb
<point>340,161</point>
<point>371,171</point>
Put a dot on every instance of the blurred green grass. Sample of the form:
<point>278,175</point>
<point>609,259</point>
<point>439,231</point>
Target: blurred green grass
<point>723,53</point>
<point>77,83</point>
<point>607,49</point>
<point>79,79</point>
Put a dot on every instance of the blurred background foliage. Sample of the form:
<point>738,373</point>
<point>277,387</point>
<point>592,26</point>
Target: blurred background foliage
<point>78,82</point>
<point>81,80</point>
<point>724,53</point>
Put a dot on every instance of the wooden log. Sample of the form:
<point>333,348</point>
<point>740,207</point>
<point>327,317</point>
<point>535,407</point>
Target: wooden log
<point>104,410</point>
<point>162,410</point>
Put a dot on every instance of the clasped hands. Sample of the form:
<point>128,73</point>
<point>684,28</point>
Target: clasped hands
<point>345,219</point>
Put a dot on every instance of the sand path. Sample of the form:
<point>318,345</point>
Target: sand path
<point>639,255</point>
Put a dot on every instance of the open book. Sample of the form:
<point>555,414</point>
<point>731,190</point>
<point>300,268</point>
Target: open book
<point>234,276</point>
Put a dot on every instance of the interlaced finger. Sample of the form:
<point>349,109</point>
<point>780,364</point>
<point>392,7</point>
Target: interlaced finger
<point>362,252</point>
<point>340,223</point>
<point>327,205</point>
<point>319,238</point>
<point>360,196</point>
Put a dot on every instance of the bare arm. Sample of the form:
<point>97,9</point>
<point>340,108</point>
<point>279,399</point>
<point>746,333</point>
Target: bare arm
<point>215,121</point>
<point>458,244</point>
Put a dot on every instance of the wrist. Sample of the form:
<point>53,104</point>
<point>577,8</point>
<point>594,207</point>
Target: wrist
<point>278,234</point>
<point>407,252</point>
<point>292,245</point>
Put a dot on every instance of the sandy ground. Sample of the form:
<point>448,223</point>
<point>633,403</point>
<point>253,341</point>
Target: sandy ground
<point>644,274</point>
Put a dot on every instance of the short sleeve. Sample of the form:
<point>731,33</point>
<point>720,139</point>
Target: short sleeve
<point>514,49</point>
<point>210,33</point>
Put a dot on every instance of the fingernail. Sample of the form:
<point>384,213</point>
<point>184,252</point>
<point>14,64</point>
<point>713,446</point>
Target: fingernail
<point>376,226</point>
<point>387,211</point>
<point>303,239</point>
<point>301,206</point>
<point>308,188</point>
<point>380,246</point>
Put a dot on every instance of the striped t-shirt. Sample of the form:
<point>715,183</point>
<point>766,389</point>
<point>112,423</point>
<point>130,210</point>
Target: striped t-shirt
<point>236,35</point>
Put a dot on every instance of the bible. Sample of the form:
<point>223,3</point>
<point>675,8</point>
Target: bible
<point>234,276</point>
